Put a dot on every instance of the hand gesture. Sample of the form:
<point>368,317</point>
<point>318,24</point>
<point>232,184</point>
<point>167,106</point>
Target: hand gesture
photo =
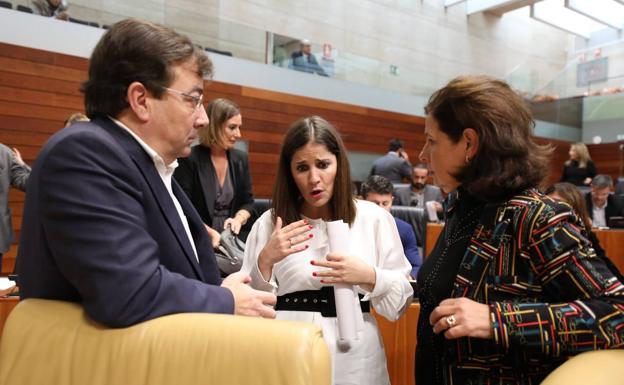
<point>346,269</point>
<point>248,301</point>
<point>283,242</point>
<point>461,317</point>
<point>234,224</point>
<point>214,235</point>
<point>18,156</point>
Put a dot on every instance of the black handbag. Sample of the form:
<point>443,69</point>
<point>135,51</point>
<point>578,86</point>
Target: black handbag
<point>229,253</point>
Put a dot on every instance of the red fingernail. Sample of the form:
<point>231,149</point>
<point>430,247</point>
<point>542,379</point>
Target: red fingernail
<point>311,262</point>
<point>311,235</point>
<point>314,273</point>
<point>307,246</point>
<point>322,281</point>
<point>305,221</point>
<point>311,227</point>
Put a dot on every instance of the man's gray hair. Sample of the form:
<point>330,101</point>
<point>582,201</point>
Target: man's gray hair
<point>602,181</point>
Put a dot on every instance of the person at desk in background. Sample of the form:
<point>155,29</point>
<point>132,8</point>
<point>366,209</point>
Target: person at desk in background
<point>601,203</point>
<point>579,169</point>
<point>305,61</point>
<point>512,276</point>
<point>216,175</point>
<point>378,189</point>
<point>312,187</point>
<point>394,165</point>
<point>51,8</point>
<point>14,172</point>
<point>420,192</point>
<point>104,224</point>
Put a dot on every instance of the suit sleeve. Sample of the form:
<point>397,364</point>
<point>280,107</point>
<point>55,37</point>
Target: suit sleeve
<point>411,250</point>
<point>591,169</point>
<point>245,191</point>
<point>581,305</point>
<point>19,174</point>
<point>98,232</point>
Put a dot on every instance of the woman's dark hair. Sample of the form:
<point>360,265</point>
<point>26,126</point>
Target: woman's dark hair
<point>507,159</point>
<point>287,199</point>
<point>136,51</point>
<point>571,195</point>
<point>219,111</point>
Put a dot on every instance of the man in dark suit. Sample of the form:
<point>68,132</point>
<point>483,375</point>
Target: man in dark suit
<point>104,223</point>
<point>419,193</point>
<point>601,204</point>
<point>13,173</point>
<point>378,189</point>
<point>394,165</point>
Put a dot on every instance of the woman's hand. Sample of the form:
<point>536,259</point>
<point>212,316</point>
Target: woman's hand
<point>214,235</point>
<point>237,221</point>
<point>587,181</point>
<point>283,242</point>
<point>234,224</point>
<point>462,317</point>
<point>346,269</point>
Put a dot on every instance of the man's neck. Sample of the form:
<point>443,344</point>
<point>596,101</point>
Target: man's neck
<point>418,191</point>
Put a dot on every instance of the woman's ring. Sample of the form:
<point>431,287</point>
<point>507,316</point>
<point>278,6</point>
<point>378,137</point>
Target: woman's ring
<point>450,321</point>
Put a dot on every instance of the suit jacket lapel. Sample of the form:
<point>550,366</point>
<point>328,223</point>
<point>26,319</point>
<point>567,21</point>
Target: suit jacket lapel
<point>147,168</point>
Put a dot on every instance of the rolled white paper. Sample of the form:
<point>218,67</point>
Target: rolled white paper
<point>347,303</point>
<point>431,211</point>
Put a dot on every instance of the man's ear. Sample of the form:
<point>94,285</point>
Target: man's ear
<point>137,98</point>
<point>472,142</point>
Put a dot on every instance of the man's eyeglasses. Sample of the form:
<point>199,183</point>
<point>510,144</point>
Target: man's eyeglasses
<point>198,100</point>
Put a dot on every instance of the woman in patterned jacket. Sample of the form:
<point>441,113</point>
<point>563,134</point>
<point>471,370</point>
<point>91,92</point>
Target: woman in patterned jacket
<point>512,288</point>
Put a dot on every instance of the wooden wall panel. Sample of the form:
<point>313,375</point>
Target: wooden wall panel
<point>39,90</point>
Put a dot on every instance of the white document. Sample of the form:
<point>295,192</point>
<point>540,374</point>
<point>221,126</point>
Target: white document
<point>348,311</point>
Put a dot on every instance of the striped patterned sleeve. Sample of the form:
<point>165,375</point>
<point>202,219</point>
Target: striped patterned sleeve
<point>581,306</point>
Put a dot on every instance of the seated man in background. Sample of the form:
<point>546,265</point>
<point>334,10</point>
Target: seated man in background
<point>419,193</point>
<point>13,172</point>
<point>378,189</point>
<point>51,8</point>
<point>601,204</point>
<point>104,223</point>
<point>394,165</point>
<point>304,60</point>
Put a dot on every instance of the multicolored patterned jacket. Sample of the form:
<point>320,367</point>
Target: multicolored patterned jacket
<point>550,296</point>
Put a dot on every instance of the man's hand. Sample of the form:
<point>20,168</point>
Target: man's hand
<point>18,156</point>
<point>248,301</point>
<point>214,235</point>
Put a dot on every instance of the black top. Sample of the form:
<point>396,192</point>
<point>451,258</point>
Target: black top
<point>435,282</point>
<point>196,174</point>
<point>576,175</point>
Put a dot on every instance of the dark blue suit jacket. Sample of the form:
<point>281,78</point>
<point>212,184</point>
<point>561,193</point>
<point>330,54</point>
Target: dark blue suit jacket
<point>408,239</point>
<point>101,229</point>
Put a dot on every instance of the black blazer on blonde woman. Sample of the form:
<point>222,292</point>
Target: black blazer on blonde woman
<point>196,174</point>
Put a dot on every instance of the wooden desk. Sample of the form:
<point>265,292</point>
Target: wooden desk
<point>400,343</point>
<point>612,241</point>
<point>433,232</point>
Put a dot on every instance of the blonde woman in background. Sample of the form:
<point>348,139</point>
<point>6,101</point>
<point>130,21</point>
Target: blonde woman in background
<point>216,175</point>
<point>579,169</point>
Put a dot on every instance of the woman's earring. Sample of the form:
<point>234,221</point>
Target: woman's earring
<point>467,159</point>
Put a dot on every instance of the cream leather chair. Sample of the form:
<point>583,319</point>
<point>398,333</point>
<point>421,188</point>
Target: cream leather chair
<point>53,342</point>
<point>604,367</point>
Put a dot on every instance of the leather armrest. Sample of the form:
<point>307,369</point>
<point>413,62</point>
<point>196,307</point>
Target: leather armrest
<point>54,342</point>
